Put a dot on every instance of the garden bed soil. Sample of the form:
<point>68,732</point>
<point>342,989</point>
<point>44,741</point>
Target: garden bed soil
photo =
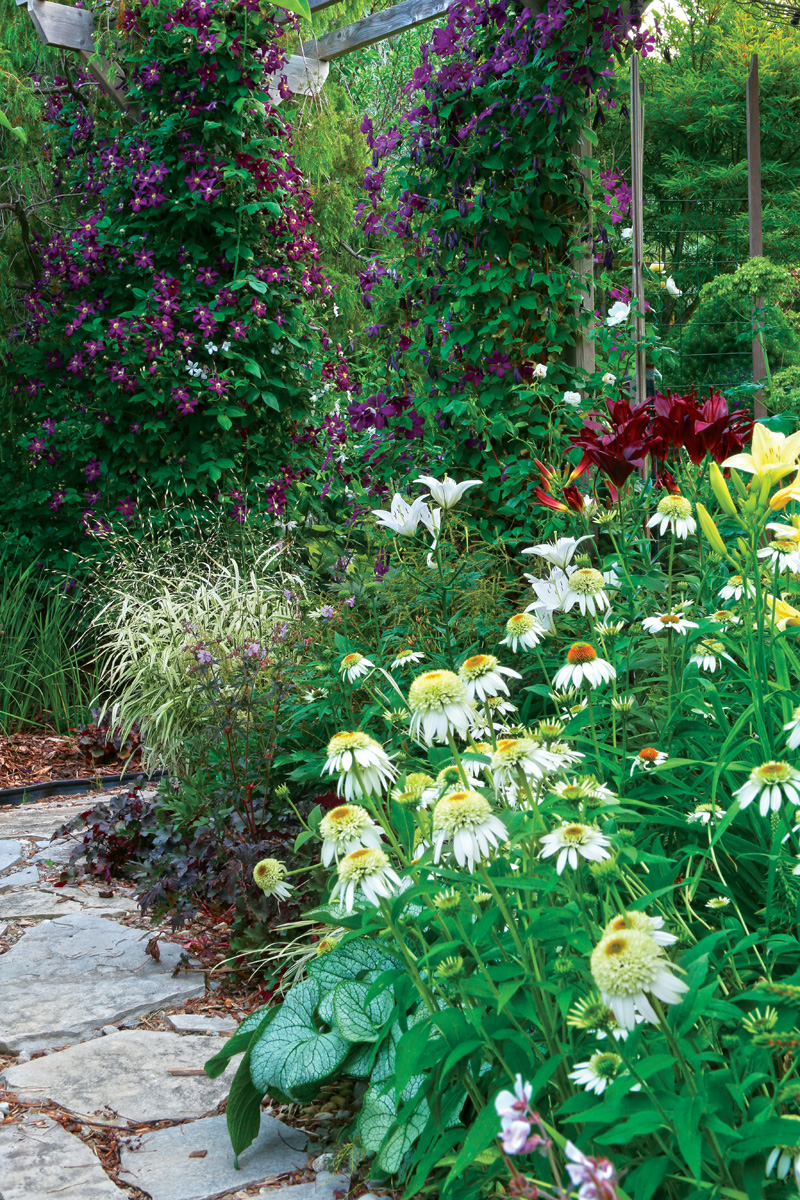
<point>29,758</point>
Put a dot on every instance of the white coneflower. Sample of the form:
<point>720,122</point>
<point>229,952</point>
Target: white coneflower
<point>644,923</point>
<point>606,628</point>
<point>449,779</point>
<point>784,1159</point>
<point>598,1071</point>
<point>586,588</point>
<point>708,654</point>
<point>482,676</point>
<point>582,664</point>
<point>438,701</point>
<point>520,754</point>
<point>675,513</point>
<point>523,632</point>
<point>629,966</point>
<point>466,819</point>
<point>717,903</point>
<point>560,552</point>
<point>724,616</point>
<point>404,657</point>
<point>368,869</point>
<point>564,754</point>
<point>353,666</point>
<point>269,874</point>
<point>782,553</point>
<point>346,828</point>
<point>668,622</point>
<point>583,790</point>
<point>703,814</point>
<point>647,758</point>
<point>793,729</point>
<point>770,784</point>
<point>363,766</point>
<point>734,588</point>
<point>623,704</point>
<point>573,840</point>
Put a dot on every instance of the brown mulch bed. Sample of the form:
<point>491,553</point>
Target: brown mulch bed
<point>45,756</point>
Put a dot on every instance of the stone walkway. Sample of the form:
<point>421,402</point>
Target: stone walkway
<point>75,1069</point>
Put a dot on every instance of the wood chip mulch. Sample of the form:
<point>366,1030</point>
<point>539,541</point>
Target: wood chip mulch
<point>29,758</point>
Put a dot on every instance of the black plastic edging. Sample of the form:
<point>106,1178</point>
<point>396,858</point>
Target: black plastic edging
<point>73,787</point>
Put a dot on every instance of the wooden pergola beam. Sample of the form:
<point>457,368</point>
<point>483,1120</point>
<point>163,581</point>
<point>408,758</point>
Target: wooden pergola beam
<point>62,26</point>
<point>373,29</point>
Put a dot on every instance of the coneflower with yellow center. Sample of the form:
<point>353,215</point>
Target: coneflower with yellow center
<point>482,676</point>
<point>363,766</point>
<point>354,666</point>
<point>439,704</point>
<point>347,828</point>
<point>268,875</point>
<point>369,870</point>
<point>628,968</point>
<point>582,664</point>
<point>523,632</point>
<point>466,819</point>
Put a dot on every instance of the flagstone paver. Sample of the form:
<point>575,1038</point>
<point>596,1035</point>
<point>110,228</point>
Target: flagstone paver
<point>40,820</point>
<point>169,1164</point>
<point>139,1074</point>
<point>10,853</point>
<point>67,978</point>
<point>39,1159</point>
<point>27,877</point>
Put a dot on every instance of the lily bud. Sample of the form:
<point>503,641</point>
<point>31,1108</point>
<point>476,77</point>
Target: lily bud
<point>720,489</point>
<point>710,530</point>
<point>739,484</point>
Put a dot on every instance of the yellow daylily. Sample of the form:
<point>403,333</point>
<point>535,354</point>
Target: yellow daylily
<point>784,533</point>
<point>783,614</point>
<point>772,455</point>
<point>786,494</point>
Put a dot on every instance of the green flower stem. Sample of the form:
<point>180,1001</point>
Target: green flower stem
<point>457,757</point>
<point>594,725</point>
<point>410,958</point>
<point>490,723</point>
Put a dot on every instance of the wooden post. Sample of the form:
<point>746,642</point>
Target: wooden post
<point>637,219</point>
<point>754,213</point>
<point>584,265</point>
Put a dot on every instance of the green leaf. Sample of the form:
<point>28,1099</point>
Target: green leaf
<point>348,960</point>
<point>250,1028</point>
<point>301,7</point>
<point>386,1133</point>
<point>15,130</point>
<point>293,1054</point>
<point>357,1020</point>
<point>481,1134</point>
<point>244,1109</point>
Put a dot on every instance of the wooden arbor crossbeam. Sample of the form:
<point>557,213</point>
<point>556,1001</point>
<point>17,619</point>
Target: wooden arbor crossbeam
<point>305,73</point>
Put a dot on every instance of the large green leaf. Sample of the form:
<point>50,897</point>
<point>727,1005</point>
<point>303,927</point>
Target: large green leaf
<point>293,1054</point>
<point>357,1020</point>
<point>301,7</point>
<point>387,1133</point>
<point>348,960</point>
<point>244,1110</point>
<point>247,1032</point>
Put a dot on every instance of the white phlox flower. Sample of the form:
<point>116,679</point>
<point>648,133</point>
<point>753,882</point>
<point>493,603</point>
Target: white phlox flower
<point>403,517</point>
<point>466,819</point>
<point>674,513</point>
<point>523,632</point>
<point>770,784</point>
<point>363,766</point>
<point>346,828</point>
<point>582,664</point>
<point>446,492</point>
<point>511,1106</point>
<point>353,666</point>
<point>628,967</point>
<point>368,869</point>
<point>559,553</point>
<point>482,676</point>
<point>708,654</point>
<point>439,703</point>
<point>573,840</point>
<point>586,588</point>
<point>595,1178</point>
<point>668,622</point>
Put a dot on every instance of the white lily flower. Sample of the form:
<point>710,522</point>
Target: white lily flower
<point>446,492</point>
<point>559,553</point>
<point>404,516</point>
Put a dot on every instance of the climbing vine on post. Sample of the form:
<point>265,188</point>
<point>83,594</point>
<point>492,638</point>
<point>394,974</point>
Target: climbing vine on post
<point>481,228</point>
